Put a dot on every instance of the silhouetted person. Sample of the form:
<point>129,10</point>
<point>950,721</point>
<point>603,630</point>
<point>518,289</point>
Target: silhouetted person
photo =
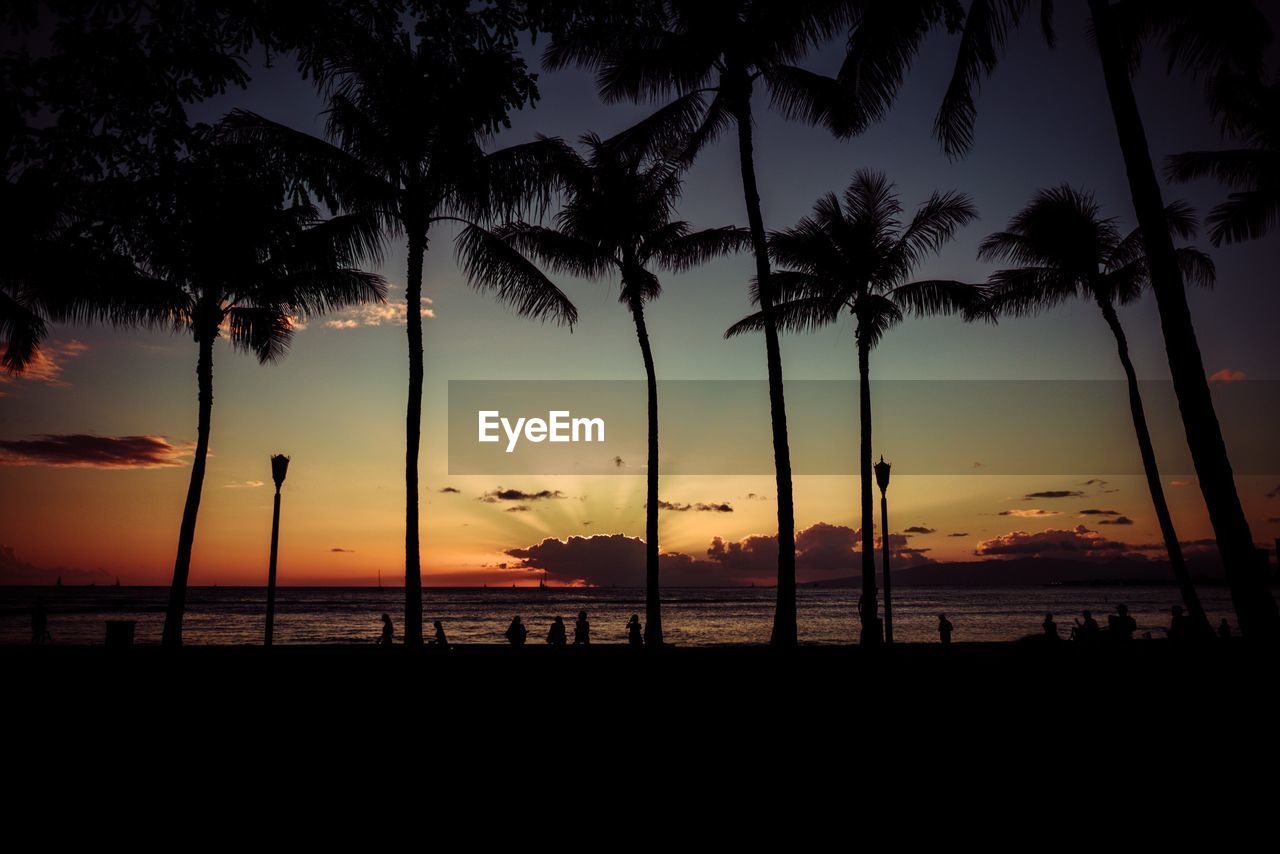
<point>516,632</point>
<point>635,633</point>
<point>556,635</point>
<point>1087,630</point>
<point>388,631</point>
<point>39,624</point>
<point>581,630</point>
<point>1179,625</point>
<point>1224,629</point>
<point>1121,624</point>
<point>1050,628</point>
<point>945,629</point>
<point>442,642</point>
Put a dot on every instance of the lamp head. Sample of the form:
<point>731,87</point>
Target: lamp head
<point>882,474</point>
<point>279,467</point>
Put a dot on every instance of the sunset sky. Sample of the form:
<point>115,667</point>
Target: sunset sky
<point>336,403</point>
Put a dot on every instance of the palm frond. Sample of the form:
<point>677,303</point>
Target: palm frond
<point>684,252</point>
<point>1241,167</point>
<point>563,253</point>
<point>805,314</point>
<point>264,331</point>
<point>1026,291</point>
<point>494,266</point>
<point>1244,216</point>
<point>937,296</point>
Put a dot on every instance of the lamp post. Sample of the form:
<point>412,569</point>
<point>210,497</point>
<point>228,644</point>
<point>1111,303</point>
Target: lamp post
<point>279,467</point>
<point>882,480</point>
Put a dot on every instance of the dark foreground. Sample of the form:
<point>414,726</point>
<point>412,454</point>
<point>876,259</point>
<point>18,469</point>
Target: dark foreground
<point>991,724</point>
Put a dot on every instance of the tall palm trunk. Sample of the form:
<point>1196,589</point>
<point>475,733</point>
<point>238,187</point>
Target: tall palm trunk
<point>1255,607</point>
<point>207,331</point>
<point>784,618</point>
<point>652,599</point>
<point>1180,573</point>
<point>413,436</point>
<point>867,608</point>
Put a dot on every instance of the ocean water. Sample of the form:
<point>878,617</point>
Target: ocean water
<point>691,617</point>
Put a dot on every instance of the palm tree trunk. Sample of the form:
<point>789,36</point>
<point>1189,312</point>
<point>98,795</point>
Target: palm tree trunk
<point>1190,598</point>
<point>413,436</point>
<point>784,618</point>
<point>652,599</point>
<point>867,608</point>
<point>1255,607</point>
<point>172,635</point>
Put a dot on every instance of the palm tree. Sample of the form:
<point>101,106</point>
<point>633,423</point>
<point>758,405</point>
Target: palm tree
<point>1251,112</point>
<point>722,48</point>
<point>618,220</point>
<point>230,248</point>
<point>1210,39</point>
<point>409,119</point>
<point>855,255</point>
<point>1065,250</point>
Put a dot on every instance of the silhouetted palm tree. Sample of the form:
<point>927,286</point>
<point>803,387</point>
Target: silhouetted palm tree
<point>55,268</point>
<point>1065,250</point>
<point>409,120</point>
<point>1212,40</point>
<point>618,220</point>
<point>694,48</point>
<point>232,249</point>
<point>855,255</point>
<point>1250,111</point>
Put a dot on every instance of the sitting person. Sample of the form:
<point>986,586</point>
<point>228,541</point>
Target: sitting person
<point>516,632</point>
<point>1121,624</point>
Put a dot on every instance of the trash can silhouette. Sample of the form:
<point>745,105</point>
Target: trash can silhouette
<point>120,633</point>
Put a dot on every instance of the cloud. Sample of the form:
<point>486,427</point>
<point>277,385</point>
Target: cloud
<point>1179,483</point>
<point>1119,520</point>
<point>1052,493</point>
<point>1275,493</point>
<point>920,529</point>
<point>337,550</point>
<point>243,484</point>
<point>451,490</point>
<point>976,464</point>
<point>1094,481</point>
<point>618,462</point>
<point>605,559</point>
<point>959,534</point>
<point>1227,375</point>
<point>85,451</point>
<point>47,365</point>
<point>519,508</point>
<point>722,507</point>
<point>1099,512</point>
<point>752,496</point>
<point>1273,519</point>
<point>821,550</point>
<point>1076,541</point>
<point>1029,514</point>
<point>394,312</point>
<point>501,494</point>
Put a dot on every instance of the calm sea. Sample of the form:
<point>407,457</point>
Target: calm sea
<point>692,617</point>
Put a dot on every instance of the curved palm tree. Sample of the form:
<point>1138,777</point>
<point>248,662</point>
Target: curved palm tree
<point>855,254</point>
<point>1212,40</point>
<point>232,250</point>
<point>1251,112</point>
<point>409,119</point>
<point>618,220</point>
<point>694,48</point>
<point>1065,250</point>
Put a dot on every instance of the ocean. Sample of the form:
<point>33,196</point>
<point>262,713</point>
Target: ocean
<point>691,616</point>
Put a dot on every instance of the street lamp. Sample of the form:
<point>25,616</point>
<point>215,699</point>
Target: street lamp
<point>279,467</point>
<point>882,480</point>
